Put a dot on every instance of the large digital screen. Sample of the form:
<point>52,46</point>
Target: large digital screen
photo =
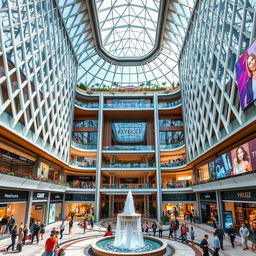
<point>228,219</point>
<point>246,76</point>
<point>223,166</point>
<point>52,213</point>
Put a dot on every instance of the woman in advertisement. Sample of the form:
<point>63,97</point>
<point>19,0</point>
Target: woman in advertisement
<point>241,161</point>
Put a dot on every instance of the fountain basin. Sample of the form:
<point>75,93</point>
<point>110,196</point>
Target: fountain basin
<point>153,247</point>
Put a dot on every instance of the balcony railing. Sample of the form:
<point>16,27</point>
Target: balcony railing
<point>128,186</point>
<point>87,105</point>
<point>174,163</point>
<point>84,146</point>
<point>177,185</point>
<point>169,104</point>
<point>128,165</point>
<point>83,164</point>
<point>172,146</point>
<point>125,147</point>
<point>81,185</point>
<point>129,105</point>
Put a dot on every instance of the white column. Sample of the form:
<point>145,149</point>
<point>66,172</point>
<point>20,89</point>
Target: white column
<point>29,207</point>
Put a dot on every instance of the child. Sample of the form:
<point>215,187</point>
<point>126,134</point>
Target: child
<point>192,235</point>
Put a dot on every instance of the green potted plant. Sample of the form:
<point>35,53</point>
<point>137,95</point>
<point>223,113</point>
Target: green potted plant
<point>152,211</point>
<point>165,219</point>
<point>104,211</point>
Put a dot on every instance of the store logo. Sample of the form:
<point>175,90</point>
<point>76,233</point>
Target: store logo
<point>11,196</point>
<point>244,195</point>
<point>40,195</point>
<point>129,131</point>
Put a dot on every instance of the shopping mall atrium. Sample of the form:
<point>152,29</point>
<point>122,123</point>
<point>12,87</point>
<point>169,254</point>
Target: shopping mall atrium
<point>102,97</point>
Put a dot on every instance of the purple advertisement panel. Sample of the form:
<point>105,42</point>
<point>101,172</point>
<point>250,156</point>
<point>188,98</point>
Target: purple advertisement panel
<point>223,166</point>
<point>252,148</point>
<point>246,76</point>
<point>241,158</point>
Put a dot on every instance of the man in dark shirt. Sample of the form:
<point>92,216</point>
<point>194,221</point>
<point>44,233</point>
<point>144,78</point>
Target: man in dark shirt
<point>11,223</point>
<point>232,235</point>
<point>14,234</point>
<point>204,245</point>
<point>35,232</point>
<point>4,223</point>
<point>220,234</point>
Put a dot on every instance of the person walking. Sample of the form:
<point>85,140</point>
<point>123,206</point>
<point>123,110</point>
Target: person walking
<point>84,225</point>
<point>232,235</point>
<point>183,233</point>
<point>160,229</point>
<point>50,246</point>
<point>154,226</point>
<point>4,223</point>
<point>92,221</point>
<point>205,245</point>
<point>175,229</point>
<point>220,234</point>
<point>244,233</point>
<point>70,226</point>
<point>12,222</point>
<point>20,240</point>
<point>146,227</point>
<point>56,248</point>
<point>252,237</point>
<point>192,235</point>
<point>25,233</point>
<point>216,244</point>
<point>171,230</point>
<point>62,228</point>
<point>42,230</point>
<point>14,234</point>
<point>35,232</point>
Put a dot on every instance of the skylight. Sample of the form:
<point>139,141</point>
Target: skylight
<point>128,27</point>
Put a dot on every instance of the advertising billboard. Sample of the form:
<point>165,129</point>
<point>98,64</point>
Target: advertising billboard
<point>246,76</point>
<point>43,170</point>
<point>223,166</point>
<point>228,219</point>
<point>52,213</point>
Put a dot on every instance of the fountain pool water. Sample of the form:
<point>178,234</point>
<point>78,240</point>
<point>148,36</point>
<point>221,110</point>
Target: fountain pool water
<point>128,239</point>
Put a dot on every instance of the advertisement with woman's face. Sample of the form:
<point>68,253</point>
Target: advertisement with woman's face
<point>241,160</point>
<point>223,166</point>
<point>246,76</point>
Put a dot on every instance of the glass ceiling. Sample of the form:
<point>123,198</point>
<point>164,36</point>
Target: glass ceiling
<point>127,29</point>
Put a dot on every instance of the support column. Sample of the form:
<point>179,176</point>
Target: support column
<point>28,208</point>
<point>99,158</point>
<point>111,206</point>
<point>198,205</point>
<point>146,205</point>
<point>63,208</point>
<point>219,208</point>
<point>46,216</point>
<point>157,155</point>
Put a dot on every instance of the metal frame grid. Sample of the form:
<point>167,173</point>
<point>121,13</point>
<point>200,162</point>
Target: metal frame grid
<point>38,74</point>
<point>219,32</point>
<point>94,69</point>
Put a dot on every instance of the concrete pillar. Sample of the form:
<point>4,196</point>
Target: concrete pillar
<point>29,208</point>
<point>219,208</point>
<point>63,208</point>
<point>99,157</point>
<point>157,154</point>
<point>198,205</point>
<point>46,215</point>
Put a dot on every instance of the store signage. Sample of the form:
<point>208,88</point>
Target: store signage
<point>241,195</point>
<point>38,207</point>
<point>56,197</point>
<point>210,196</point>
<point>178,197</point>
<point>13,196</point>
<point>12,155</point>
<point>129,131</point>
<point>185,178</point>
<point>80,197</point>
<point>40,196</point>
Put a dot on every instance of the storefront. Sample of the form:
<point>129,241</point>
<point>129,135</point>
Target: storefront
<point>208,207</point>
<point>182,203</point>
<point>79,204</point>
<point>239,207</point>
<point>55,208</point>
<point>13,203</point>
<point>39,206</point>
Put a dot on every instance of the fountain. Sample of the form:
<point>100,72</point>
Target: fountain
<point>128,239</point>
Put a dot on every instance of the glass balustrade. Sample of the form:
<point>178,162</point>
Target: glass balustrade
<point>174,163</point>
<point>177,185</point>
<point>128,147</point>
<point>128,105</point>
<point>83,164</point>
<point>172,146</point>
<point>87,105</point>
<point>81,185</point>
<point>128,186</point>
<point>169,104</point>
<point>84,146</point>
<point>128,165</point>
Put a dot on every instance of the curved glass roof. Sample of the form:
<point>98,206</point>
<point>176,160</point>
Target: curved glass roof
<point>128,27</point>
<point>96,68</point>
